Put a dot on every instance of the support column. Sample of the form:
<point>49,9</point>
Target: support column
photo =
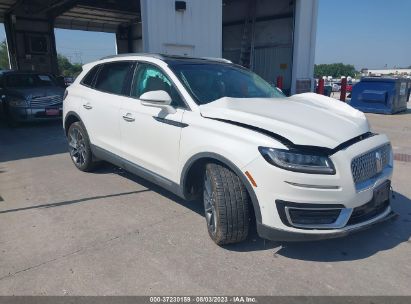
<point>129,39</point>
<point>305,33</point>
<point>31,44</point>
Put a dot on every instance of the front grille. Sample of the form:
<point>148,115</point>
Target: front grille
<point>46,101</point>
<point>366,166</point>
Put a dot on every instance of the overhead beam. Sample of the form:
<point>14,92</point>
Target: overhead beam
<point>62,8</point>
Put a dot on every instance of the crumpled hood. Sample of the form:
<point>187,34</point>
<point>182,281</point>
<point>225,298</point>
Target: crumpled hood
<point>305,119</point>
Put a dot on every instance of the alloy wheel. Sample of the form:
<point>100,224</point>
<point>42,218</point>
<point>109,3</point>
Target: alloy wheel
<point>77,147</point>
<point>209,204</point>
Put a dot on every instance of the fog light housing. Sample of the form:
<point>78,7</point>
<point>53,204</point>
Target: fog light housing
<point>312,216</point>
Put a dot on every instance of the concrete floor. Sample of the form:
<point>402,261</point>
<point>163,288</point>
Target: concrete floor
<point>64,232</point>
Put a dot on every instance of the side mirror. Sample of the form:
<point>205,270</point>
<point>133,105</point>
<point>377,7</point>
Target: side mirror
<point>158,99</point>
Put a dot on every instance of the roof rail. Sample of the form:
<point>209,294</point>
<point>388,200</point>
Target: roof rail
<point>158,56</point>
<point>217,59</point>
<point>164,57</point>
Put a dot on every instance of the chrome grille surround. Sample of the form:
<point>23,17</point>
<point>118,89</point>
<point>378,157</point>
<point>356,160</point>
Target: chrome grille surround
<point>46,101</point>
<point>365,166</point>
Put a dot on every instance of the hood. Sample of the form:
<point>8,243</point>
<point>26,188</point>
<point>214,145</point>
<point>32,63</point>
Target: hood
<point>34,92</point>
<point>305,119</point>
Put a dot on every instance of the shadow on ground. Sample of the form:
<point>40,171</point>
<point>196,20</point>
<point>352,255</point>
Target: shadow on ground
<point>106,168</point>
<point>31,140</point>
<point>70,202</point>
<point>408,111</point>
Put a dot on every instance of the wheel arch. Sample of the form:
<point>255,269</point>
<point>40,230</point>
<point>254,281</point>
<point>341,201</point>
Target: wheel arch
<point>70,118</point>
<point>194,166</point>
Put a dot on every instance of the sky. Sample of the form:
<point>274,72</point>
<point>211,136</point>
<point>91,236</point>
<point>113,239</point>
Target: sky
<point>366,33</point>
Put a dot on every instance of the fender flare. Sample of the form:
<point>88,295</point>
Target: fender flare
<point>231,166</point>
<point>70,113</point>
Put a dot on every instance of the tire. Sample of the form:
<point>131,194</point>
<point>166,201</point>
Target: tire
<point>226,205</point>
<point>8,118</point>
<point>79,147</point>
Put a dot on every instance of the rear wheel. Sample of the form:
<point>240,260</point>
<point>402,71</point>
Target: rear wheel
<point>226,205</point>
<point>79,147</point>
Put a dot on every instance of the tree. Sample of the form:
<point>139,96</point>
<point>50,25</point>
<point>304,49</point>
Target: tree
<point>336,70</point>
<point>66,68</point>
<point>4,56</point>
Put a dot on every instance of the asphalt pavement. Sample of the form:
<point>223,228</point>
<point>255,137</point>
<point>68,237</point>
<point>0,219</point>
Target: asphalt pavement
<point>65,232</point>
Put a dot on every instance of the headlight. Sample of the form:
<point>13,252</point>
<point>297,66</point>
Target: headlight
<point>298,161</point>
<point>17,103</point>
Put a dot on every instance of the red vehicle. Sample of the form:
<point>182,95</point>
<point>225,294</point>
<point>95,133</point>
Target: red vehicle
<point>349,87</point>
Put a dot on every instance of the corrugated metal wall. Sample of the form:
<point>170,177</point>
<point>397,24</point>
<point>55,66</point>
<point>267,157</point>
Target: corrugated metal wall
<point>273,38</point>
<point>193,32</point>
<point>271,62</point>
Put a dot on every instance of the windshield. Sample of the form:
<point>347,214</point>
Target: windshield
<point>29,80</point>
<point>209,82</point>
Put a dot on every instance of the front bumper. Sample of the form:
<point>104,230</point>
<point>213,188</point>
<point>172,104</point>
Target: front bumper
<point>275,184</point>
<point>33,114</point>
<point>280,235</point>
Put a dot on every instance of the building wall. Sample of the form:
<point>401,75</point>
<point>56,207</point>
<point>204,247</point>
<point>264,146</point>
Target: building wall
<point>285,43</point>
<point>193,32</point>
<point>387,72</point>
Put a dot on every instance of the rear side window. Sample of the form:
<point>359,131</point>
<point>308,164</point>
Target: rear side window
<point>112,77</point>
<point>89,78</point>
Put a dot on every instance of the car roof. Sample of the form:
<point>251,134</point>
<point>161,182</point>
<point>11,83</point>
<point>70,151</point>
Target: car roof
<point>172,59</point>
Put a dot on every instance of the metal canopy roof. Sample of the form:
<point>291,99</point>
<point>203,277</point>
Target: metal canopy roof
<point>89,15</point>
<point>5,6</point>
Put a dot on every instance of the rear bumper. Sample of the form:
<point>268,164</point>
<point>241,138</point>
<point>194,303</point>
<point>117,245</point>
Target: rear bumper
<point>280,235</point>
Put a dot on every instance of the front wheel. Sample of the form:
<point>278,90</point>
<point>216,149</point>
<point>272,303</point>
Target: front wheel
<point>79,147</point>
<point>226,205</point>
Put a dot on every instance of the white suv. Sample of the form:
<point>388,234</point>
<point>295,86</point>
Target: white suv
<point>305,167</point>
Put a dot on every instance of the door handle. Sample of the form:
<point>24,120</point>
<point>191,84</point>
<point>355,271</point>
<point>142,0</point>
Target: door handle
<point>128,117</point>
<point>87,106</point>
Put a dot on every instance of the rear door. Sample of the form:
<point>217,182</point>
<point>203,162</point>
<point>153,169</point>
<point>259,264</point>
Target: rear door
<point>101,105</point>
<point>150,138</point>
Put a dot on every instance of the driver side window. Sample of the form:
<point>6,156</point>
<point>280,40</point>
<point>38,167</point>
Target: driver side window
<point>150,78</point>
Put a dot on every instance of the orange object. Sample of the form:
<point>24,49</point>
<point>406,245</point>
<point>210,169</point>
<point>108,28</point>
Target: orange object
<point>251,178</point>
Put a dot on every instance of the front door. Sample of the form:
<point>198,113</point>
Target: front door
<point>151,139</point>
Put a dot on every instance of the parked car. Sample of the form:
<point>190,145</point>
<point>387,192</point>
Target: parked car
<point>28,96</point>
<point>68,81</point>
<point>336,87</point>
<point>306,167</point>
